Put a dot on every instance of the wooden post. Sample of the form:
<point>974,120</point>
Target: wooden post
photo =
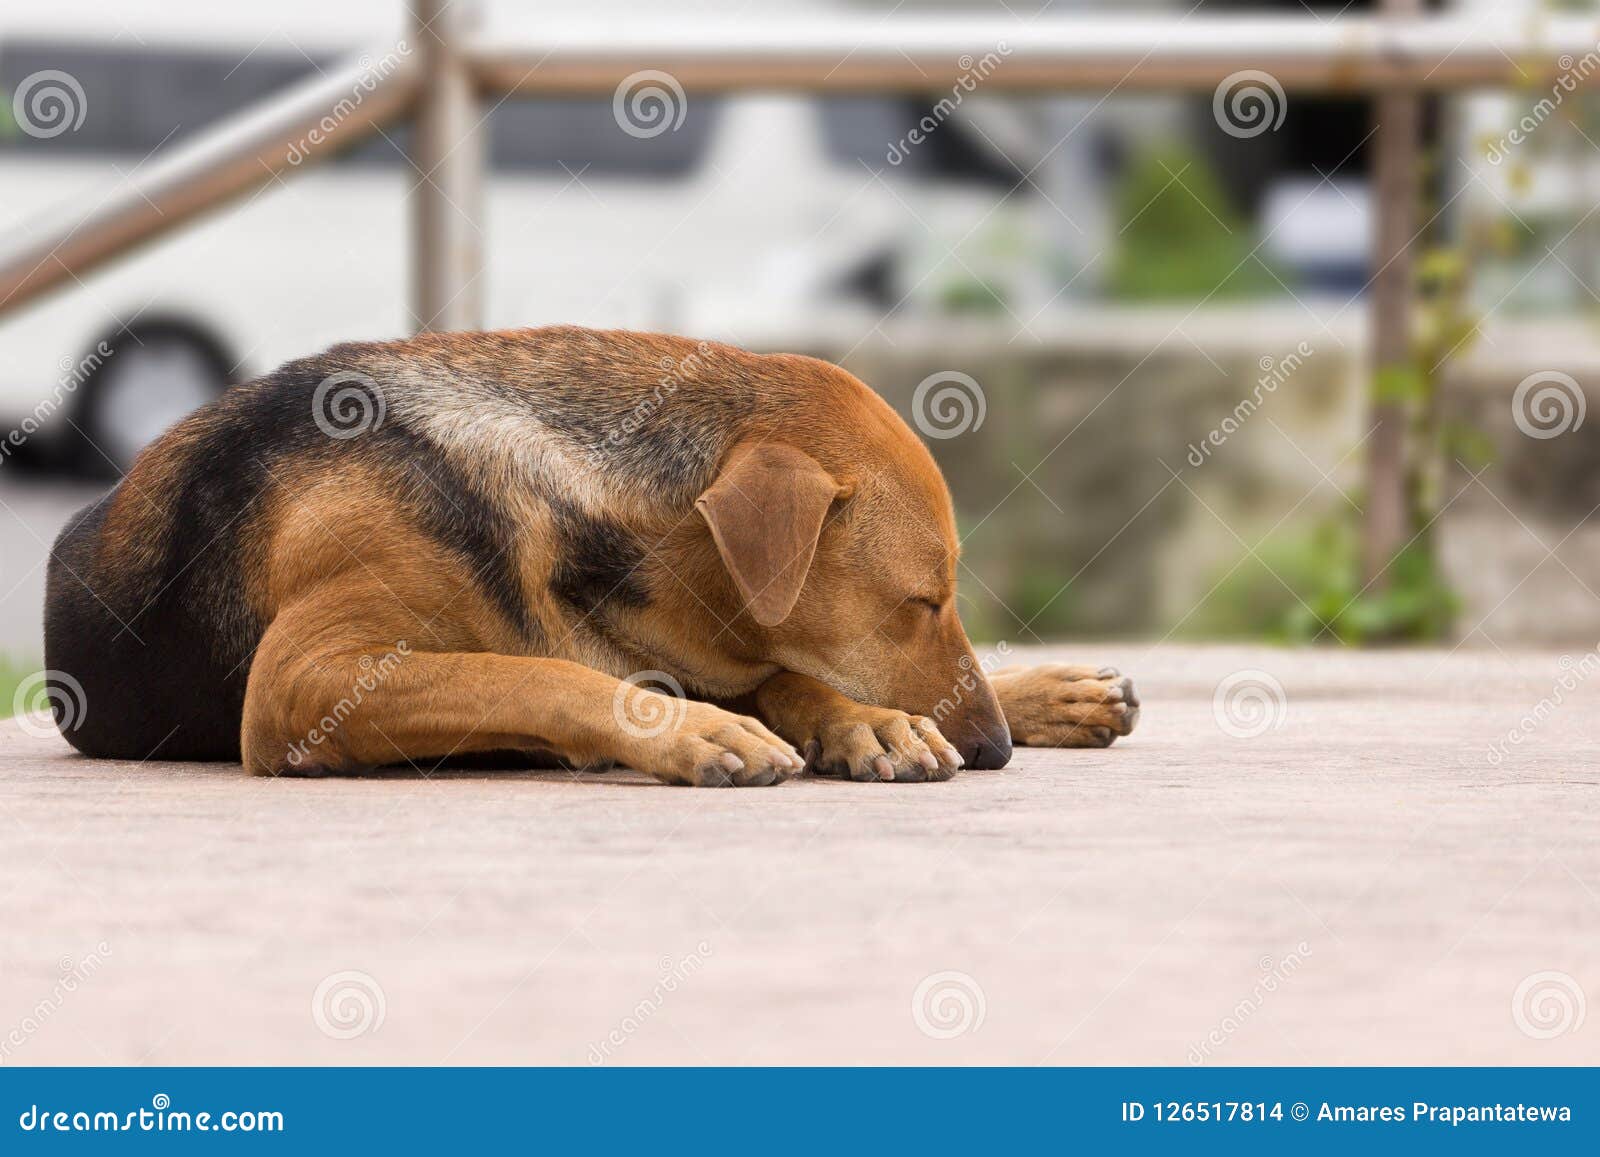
<point>449,159</point>
<point>1395,179</point>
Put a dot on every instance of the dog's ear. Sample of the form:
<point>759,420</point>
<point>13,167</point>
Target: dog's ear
<point>765,511</point>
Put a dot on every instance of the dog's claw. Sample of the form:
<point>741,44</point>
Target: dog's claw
<point>881,745</point>
<point>711,747</point>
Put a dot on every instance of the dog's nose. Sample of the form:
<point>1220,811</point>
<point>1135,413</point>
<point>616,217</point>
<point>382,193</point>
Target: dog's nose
<point>989,753</point>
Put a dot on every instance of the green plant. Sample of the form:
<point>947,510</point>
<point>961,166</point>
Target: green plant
<point>11,676</point>
<point>1178,237</point>
<point>1041,596</point>
<point>971,295</point>
<point>1306,586</point>
<point>1414,603</point>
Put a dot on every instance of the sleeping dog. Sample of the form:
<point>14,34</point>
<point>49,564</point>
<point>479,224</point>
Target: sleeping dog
<point>527,542</point>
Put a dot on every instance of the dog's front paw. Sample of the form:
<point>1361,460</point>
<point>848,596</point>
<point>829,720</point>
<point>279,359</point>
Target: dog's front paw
<point>705,746</point>
<point>1061,705</point>
<point>877,743</point>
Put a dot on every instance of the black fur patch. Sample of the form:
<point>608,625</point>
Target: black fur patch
<point>268,432</point>
<point>454,514</point>
<point>163,656</point>
<point>599,562</point>
<point>153,676</point>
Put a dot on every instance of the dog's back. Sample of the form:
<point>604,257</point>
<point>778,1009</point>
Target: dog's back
<point>156,596</point>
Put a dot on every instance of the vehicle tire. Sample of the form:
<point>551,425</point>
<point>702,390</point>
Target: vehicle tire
<point>157,373</point>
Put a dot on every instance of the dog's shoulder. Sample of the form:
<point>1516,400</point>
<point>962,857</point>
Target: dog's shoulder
<point>593,415</point>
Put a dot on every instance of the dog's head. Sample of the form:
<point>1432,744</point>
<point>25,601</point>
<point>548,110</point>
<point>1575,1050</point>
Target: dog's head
<point>839,537</point>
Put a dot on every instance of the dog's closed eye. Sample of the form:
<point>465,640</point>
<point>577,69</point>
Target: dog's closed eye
<point>933,605</point>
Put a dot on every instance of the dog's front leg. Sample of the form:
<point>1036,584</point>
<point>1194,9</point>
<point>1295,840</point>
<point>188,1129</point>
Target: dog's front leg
<point>1062,705</point>
<point>328,696</point>
<point>842,737</point>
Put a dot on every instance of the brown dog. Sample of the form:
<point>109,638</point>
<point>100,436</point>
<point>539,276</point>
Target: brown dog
<point>463,543</point>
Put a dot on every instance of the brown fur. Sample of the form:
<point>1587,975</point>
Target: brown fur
<point>793,556</point>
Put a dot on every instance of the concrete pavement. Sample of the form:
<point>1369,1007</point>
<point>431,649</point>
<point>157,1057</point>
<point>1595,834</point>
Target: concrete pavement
<point>1359,882</point>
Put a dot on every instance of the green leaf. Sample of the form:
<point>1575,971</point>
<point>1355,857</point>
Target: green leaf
<point>1399,383</point>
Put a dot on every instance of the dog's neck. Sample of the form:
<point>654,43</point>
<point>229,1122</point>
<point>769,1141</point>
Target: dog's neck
<point>655,597</point>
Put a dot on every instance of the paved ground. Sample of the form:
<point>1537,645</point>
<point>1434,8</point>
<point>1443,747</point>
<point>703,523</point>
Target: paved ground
<point>1360,884</point>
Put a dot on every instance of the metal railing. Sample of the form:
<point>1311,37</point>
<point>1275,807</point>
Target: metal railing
<point>446,68</point>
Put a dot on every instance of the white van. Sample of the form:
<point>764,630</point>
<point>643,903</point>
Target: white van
<point>754,213</point>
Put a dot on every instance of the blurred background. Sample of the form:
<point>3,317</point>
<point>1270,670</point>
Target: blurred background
<point>1072,296</point>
